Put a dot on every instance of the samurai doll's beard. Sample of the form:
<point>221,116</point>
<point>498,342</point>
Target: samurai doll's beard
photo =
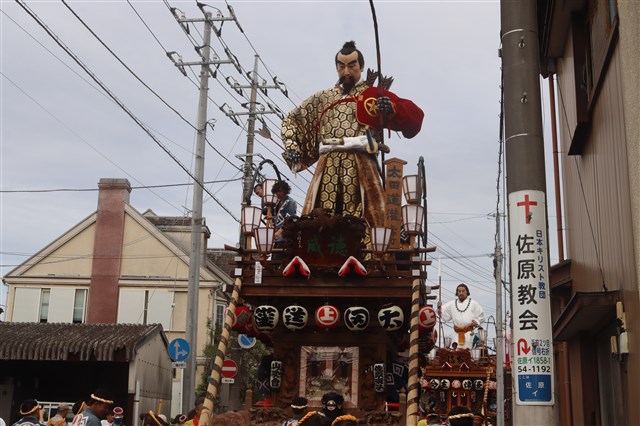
<point>347,84</point>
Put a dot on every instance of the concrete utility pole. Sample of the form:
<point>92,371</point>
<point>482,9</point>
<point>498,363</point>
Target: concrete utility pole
<point>251,127</point>
<point>532,337</point>
<point>195,257</point>
<point>252,112</point>
<point>499,331</point>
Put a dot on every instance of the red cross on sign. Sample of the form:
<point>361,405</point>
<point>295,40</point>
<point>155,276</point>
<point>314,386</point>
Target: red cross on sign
<point>229,369</point>
<point>527,211</point>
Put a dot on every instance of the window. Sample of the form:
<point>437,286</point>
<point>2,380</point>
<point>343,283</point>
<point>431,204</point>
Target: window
<point>220,313</point>
<point>79,305</point>
<point>602,21</point>
<point>145,307</point>
<point>45,294</point>
<point>594,33</point>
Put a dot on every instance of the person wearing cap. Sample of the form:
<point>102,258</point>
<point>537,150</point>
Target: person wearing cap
<point>97,408</point>
<point>60,419</point>
<point>299,408</point>
<point>32,414</point>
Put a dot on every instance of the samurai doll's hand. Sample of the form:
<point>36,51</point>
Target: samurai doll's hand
<point>293,159</point>
<point>384,105</point>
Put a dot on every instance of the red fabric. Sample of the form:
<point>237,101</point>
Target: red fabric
<point>407,117</point>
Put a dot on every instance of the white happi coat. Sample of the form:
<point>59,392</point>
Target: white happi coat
<point>471,311</point>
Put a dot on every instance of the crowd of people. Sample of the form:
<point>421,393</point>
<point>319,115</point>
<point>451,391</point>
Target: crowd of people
<point>98,410</point>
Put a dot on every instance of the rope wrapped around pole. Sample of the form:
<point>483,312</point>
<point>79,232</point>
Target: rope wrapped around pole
<point>412,395</point>
<point>214,380</point>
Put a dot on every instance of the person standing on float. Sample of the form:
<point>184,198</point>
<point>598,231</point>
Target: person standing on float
<point>464,313</point>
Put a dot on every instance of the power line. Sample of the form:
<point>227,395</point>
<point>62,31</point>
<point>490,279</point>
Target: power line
<point>170,185</point>
<point>126,66</point>
<point>120,104</point>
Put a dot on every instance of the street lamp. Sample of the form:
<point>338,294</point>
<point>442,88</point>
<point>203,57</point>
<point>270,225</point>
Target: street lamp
<point>264,239</point>
<point>412,219</point>
<point>269,198</point>
<point>250,219</point>
<point>380,238</point>
<point>411,189</point>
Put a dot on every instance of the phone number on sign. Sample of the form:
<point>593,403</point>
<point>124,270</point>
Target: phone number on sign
<point>534,369</point>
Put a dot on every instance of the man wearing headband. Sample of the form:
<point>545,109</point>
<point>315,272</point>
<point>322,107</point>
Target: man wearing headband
<point>466,314</point>
<point>32,414</point>
<point>460,416</point>
<point>97,408</point>
<point>299,408</point>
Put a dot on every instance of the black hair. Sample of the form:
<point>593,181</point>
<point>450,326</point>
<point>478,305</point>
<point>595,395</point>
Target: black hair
<point>29,406</point>
<point>299,404</point>
<point>281,186</point>
<point>78,406</point>
<point>466,418</point>
<point>463,285</point>
<point>347,49</point>
<point>152,419</point>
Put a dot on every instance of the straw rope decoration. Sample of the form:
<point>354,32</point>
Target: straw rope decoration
<point>412,396</point>
<point>214,380</point>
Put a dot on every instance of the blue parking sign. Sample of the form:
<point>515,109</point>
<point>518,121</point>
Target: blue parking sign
<point>179,349</point>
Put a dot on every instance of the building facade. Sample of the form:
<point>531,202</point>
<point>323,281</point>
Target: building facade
<point>120,266</point>
<point>590,50</point>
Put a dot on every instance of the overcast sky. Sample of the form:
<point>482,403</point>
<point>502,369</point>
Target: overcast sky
<point>60,130</point>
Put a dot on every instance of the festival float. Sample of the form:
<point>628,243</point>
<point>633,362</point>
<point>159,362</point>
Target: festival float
<point>344,303</point>
<point>355,319</point>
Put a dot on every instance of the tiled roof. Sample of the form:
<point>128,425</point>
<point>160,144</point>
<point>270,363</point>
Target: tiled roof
<point>82,342</point>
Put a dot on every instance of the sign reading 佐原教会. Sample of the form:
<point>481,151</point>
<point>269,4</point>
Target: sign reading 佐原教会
<point>530,295</point>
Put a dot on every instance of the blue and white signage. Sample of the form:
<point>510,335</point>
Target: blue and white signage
<point>179,350</point>
<point>246,342</point>
<point>530,295</point>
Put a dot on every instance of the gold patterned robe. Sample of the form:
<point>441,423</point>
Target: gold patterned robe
<point>346,182</point>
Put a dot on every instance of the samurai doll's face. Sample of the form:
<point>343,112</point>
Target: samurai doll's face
<point>349,70</point>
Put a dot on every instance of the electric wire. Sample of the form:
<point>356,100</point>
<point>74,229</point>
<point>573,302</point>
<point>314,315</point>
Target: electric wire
<point>120,104</point>
<point>83,140</point>
<point>93,33</point>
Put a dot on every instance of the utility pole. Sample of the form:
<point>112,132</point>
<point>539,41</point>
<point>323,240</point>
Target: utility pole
<point>499,331</point>
<point>533,375</point>
<point>254,109</point>
<point>251,127</point>
<point>195,255</point>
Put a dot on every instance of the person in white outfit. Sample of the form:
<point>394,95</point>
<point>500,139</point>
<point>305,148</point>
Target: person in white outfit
<point>466,315</point>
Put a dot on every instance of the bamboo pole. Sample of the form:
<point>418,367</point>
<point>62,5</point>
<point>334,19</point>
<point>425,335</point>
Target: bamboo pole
<point>412,396</point>
<point>214,380</point>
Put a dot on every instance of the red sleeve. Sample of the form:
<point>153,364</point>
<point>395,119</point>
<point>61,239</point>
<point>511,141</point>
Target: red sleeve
<point>407,118</point>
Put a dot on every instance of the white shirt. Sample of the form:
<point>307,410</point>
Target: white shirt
<point>462,314</point>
